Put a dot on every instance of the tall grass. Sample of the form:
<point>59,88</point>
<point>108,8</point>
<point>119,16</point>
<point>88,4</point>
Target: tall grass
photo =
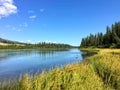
<point>101,72</point>
<point>72,77</point>
<point>107,66</point>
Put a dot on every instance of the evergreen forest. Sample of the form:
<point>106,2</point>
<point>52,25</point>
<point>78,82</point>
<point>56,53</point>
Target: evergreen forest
<point>111,39</point>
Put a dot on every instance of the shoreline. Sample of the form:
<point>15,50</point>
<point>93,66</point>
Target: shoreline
<point>103,67</point>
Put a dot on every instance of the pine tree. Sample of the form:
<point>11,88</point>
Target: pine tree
<point>111,37</point>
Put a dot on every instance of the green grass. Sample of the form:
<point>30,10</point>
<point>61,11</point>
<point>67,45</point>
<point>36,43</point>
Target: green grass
<point>101,72</point>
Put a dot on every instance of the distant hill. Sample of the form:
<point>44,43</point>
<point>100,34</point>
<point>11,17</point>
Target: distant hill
<point>5,42</point>
<point>8,44</point>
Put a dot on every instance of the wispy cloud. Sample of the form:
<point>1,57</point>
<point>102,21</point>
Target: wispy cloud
<point>23,25</point>
<point>31,11</point>
<point>44,25</point>
<point>7,8</point>
<point>19,30</point>
<point>48,41</point>
<point>29,41</point>
<point>32,17</point>
<point>7,26</point>
<point>16,29</point>
<point>42,10</point>
<point>2,34</point>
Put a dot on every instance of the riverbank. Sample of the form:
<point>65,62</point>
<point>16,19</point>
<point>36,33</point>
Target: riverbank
<point>44,49</point>
<point>101,72</point>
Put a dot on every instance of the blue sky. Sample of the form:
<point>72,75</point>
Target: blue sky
<point>61,21</point>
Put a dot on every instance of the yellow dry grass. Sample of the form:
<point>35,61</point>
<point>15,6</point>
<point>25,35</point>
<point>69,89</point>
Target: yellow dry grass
<point>107,51</point>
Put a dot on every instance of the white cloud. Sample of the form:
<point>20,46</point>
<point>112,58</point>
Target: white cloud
<point>7,8</point>
<point>32,17</point>
<point>29,41</point>
<point>42,10</point>
<point>48,41</point>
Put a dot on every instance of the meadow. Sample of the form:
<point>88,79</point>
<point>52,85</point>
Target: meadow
<point>98,72</point>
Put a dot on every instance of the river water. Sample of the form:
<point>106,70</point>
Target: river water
<point>14,63</point>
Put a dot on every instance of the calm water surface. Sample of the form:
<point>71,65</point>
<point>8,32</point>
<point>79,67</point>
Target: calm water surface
<point>14,63</point>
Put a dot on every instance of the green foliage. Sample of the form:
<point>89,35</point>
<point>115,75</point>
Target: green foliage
<point>101,40</point>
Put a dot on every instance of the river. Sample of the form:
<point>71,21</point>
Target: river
<point>14,63</point>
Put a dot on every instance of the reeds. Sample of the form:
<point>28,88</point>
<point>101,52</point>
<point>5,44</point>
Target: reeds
<point>107,66</point>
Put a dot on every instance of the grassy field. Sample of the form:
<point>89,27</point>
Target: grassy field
<point>99,72</point>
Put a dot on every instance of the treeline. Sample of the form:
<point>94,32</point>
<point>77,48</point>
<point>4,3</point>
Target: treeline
<point>52,45</point>
<point>42,45</point>
<point>111,39</point>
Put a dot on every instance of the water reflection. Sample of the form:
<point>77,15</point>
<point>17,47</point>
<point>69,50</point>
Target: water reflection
<point>4,54</point>
<point>13,63</point>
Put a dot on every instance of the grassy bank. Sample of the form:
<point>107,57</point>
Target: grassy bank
<point>101,72</point>
<point>107,66</point>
